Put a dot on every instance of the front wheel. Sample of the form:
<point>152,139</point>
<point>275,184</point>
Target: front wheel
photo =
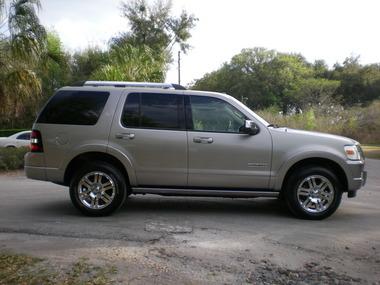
<point>98,189</point>
<point>313,193</point>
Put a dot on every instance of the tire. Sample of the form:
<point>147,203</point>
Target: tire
<point>313,192</point>
<point>98,189</point>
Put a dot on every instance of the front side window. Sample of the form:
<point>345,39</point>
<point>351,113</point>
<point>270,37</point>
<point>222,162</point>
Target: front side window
<point>74,108</point>
<point>152,110</point>
<point>210,114</point>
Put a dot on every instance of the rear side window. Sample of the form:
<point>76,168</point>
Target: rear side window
<point>74,108</point>
<point>153,110</point>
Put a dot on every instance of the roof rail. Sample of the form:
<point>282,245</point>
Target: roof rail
<point>134,84</point>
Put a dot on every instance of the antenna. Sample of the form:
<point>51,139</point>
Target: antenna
<point>179,67</point>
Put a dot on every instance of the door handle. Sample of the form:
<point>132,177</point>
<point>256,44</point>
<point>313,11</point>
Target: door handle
<point>125,136</point>
<point>203,140</point>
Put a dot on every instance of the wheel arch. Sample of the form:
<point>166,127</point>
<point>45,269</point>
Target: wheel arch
<point>318,161</point>
<point>88,157</point>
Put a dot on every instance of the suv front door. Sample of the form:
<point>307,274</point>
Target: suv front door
<point>151,132</point>
<point>219,155</point>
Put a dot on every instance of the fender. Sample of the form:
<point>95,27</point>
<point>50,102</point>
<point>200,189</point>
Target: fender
<point>308,152</point>
<point>100,147</point>
<point>126,161</point>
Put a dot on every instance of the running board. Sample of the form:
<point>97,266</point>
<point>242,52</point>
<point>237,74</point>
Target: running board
<point>204,192</point>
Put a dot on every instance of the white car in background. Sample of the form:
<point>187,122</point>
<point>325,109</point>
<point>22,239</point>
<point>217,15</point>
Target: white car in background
<point>21,139</point>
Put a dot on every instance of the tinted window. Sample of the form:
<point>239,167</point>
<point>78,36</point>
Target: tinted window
<point>214,115</point>
<point>74,108</point>
<point>152,110</point>
<point>131,113</point>
<point>25,136</point>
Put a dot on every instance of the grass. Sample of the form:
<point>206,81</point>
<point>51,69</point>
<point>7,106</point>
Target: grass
<point>26,270</point>
<point>359,123</point>
<point>371,151</point>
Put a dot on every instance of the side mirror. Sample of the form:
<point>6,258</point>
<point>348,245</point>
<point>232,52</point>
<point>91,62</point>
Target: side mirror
<point>250,128</point>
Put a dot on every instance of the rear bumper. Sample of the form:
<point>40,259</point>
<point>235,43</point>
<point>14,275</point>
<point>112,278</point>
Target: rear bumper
<point>37,173</point>
<point>35,168</point>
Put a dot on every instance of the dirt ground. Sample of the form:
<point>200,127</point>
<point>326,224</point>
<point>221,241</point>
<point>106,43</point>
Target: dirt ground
<point>171,240</point>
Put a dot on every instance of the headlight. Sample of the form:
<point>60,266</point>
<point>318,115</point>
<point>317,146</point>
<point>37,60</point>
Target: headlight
<point>352,152</point>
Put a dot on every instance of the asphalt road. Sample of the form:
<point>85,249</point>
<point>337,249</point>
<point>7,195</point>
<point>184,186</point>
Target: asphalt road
<point>171,240</point>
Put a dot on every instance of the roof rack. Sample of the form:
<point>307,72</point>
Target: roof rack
<point>133,84</point>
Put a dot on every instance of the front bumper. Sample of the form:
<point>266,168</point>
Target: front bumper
<point>362,179</point>
<point>357,176</point>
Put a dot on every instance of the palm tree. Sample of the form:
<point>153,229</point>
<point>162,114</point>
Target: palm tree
<point>22,43</point>
<point>130,63</point>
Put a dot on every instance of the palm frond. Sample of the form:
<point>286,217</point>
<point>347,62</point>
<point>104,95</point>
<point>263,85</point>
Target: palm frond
<point>27,35</point>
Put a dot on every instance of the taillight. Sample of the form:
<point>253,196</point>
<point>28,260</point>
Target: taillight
<point>36,141</point>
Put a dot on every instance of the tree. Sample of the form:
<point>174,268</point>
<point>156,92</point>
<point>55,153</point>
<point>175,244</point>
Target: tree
<point>359,84</point>
<point>267,78</point>
<point>321,70</point>
<point>153,26</point>
<point>129,63</point>
<point>22,42</point>
<point>27,35</point>
<point>86,62</point>
<point>54,67</point>
<point>314,92</point>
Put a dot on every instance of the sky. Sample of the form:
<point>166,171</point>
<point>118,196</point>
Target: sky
<point>318,29</point>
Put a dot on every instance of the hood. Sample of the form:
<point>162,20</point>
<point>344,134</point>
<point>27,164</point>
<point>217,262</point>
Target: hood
<point>316,135</point>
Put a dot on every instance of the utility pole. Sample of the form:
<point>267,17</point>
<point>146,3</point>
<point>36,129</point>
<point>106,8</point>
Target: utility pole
<point>179,67</point>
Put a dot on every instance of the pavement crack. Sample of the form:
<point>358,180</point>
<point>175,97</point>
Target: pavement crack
<point>81,236</point>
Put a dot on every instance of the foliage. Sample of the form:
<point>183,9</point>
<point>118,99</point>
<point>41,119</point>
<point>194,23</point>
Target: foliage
<point>371,151</point>
<point>25,269</point>
<point>263,78</point>
<point>21,47</point>
<point>26,33</point>
<point>362,124</point>
<point>155,27</point>
<point>359,84</point>
<point>86,62</point>
<point>12,158</point>
<point>9,132</point>
<point>33,62</point>
<point>129,63</point>
<point>54,68</point>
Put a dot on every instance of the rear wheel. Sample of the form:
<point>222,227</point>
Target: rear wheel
<point>98,189</point>
<point>313,193</point>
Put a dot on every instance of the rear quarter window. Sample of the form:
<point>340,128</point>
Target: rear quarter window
<point>74,108</point>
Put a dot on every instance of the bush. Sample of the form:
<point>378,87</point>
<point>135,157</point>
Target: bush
<point>12,158</point>
<point>361,124</point>
<point>9,132</point>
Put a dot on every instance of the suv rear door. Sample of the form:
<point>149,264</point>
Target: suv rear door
<point>219,155</point>
<point>150,130</point>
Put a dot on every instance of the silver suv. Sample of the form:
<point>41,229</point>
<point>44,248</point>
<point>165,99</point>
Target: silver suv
<point>108,140</point>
